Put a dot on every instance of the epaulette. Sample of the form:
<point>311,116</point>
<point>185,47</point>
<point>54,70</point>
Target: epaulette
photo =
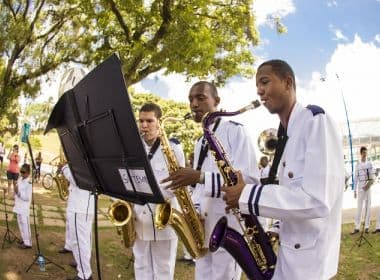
<point>315,110</point>
<point>175,141</point>
<point>235,123</point>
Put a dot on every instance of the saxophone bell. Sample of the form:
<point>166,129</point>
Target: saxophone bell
<point>121,215</point>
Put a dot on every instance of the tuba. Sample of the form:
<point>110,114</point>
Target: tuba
<point>121,215</point>
<point>186,224</point>
<point>267,141</point>
<point>252,250</point>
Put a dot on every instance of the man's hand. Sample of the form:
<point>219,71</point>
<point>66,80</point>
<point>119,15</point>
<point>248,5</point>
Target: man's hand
<point>182,177</point>
<point>355,194</point>
<point>232,193</point>
<point>368,185</point>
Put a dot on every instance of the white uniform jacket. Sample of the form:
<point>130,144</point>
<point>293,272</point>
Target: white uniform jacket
<point>207,197</point>
<point>24,197</point>
<point>308,199</point>
<point>364,171</point>
<point>79,200</point>
<point>145,213</point>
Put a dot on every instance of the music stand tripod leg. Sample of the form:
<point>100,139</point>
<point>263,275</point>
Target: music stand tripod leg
<point>9,235</point>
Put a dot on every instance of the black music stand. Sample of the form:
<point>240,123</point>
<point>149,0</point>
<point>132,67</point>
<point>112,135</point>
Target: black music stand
<point>9,235</point>
<point>39,253</point>
<point>100,139</point>
<point>361,239</point>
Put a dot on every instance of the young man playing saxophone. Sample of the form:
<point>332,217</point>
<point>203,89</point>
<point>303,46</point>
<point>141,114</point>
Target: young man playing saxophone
<point>208,181</point>
<point>155,250</point>
<point>308,199</point>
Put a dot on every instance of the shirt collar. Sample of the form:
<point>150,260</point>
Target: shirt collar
<point>297,109</point>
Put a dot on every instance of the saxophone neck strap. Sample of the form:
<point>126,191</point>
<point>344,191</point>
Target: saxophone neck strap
<point>281,143</point>
<point>205,146</point>
<point>154,148</point>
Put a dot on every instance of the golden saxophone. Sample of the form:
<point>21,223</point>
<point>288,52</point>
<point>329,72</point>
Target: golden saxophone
<point>252,250</point>
<point>121,215</point>
<point>186,224</point>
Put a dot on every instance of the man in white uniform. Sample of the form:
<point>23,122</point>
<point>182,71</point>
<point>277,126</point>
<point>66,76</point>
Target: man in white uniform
<point>69,221</point>
<point>308,199</point>
<point>207,198</point>
<point>364,178</point>
<point>81,206</point>
<point>23,197</point>
<point>155,250</point>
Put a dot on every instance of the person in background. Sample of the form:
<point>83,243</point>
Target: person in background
<point>364,178</point>
<point>2,154</point>
<point>80,225</point>
<point>38,166</point>
<point>13,168</point>
<point>23,197</point>
<point>308,199</point>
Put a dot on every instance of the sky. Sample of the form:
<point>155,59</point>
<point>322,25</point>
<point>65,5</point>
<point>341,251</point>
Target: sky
<point>333,47</point>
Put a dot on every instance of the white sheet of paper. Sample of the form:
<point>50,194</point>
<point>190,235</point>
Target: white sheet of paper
<point>139,179</point>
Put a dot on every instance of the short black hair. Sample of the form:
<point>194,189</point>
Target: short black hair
<point>362,149</point>
<point>26,167</point>
<point>281,68</point>
<point>203,84</point>
<point>152,107</point>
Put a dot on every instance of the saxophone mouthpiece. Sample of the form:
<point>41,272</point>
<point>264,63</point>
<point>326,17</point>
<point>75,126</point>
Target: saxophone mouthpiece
<point>253,105</point>
<point>189,116</point>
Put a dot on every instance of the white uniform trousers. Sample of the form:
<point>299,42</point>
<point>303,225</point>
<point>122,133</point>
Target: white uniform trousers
<point>217,266</point>
<point>69,221</point>
<point>378,220</point>
<point>364,197</point>
<point>24,227</point>
<point>155,260</point>
<point>80,230</point>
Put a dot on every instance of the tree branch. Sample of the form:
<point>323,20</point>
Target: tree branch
<point>120,19</point>
<point>150,45</point>
<point>9,5</point>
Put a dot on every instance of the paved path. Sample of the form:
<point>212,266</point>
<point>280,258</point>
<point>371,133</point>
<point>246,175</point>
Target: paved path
<point>55,215</point>
<point>49,215</point>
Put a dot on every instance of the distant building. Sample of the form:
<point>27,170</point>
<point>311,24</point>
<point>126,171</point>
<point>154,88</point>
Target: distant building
<point>365,132</point>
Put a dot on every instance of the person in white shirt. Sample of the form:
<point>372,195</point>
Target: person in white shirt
<point>155,250</point>
<point>206,178</point>
<point>81,206</point>
<point>69,221</point>
<point>23,197</point>
<point>2,153</point>
<point>364,178</point>
<point>264,167</point>
<point>308,198</point>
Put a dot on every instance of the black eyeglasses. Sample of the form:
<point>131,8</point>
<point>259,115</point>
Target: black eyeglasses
<point>22,172</point>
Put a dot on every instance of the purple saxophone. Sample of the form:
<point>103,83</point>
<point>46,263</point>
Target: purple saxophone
<point>253,249</point>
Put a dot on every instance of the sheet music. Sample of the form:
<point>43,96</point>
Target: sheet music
<point>139,179</point>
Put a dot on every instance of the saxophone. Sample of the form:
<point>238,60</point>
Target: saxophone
<point>252,250</point>
<point>122,216</point>
<point>186,224</point>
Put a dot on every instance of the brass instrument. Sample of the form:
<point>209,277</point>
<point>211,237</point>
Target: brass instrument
<point>186,224</point>
<point>267,141</point>
<point>121,215</point>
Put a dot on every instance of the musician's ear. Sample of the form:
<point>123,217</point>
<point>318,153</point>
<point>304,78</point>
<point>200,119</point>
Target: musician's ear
<point>217,100</point>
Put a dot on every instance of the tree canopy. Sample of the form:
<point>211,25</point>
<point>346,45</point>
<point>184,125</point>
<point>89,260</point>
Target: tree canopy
<point>36,37</point>
<point>196,38</point>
